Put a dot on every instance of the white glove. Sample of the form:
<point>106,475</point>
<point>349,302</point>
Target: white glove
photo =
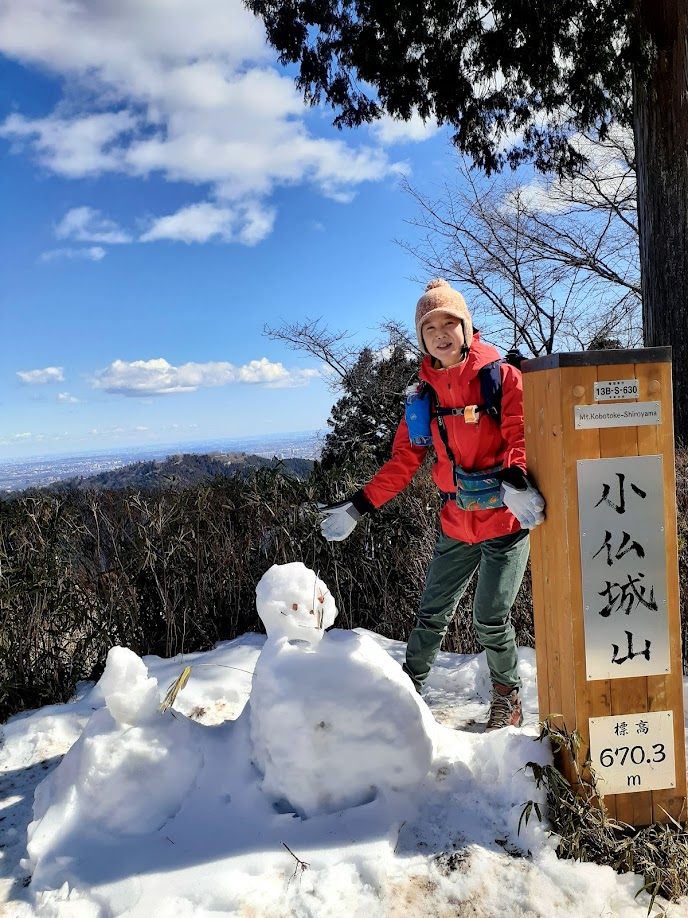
<point>339,521</point>
<point>527,505</point>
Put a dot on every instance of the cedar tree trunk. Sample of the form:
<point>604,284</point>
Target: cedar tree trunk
<point>660,122</point>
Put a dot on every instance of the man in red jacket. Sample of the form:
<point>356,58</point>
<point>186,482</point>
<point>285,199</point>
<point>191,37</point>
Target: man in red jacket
<point>488,504</point>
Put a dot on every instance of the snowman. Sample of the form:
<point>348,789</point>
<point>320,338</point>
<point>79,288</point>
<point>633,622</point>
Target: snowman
<point>334,721</point>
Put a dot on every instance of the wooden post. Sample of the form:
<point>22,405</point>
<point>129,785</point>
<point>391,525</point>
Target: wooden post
<point>605,571</point>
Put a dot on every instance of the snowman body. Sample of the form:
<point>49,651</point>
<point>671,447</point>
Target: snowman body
<point>334,720</point>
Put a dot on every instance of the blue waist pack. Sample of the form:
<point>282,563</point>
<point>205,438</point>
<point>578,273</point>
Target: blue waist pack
<point>418,408</point>
<point>477,490</point>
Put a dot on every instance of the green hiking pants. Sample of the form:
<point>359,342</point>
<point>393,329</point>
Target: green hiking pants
<point>501,563</point>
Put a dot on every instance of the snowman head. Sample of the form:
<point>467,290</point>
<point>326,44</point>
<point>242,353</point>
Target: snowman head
<point>293,602</point>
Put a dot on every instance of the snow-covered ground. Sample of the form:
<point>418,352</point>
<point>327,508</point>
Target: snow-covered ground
<point>109,807</point>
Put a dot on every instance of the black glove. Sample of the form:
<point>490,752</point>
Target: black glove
<point>513,475</point>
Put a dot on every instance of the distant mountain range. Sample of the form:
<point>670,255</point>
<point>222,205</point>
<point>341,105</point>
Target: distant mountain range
<point>182,471</point>
<point>178,464</point>
<point>176,472</point>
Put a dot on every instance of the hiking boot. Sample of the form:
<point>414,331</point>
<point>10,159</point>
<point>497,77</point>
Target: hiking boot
<point>505,708</point>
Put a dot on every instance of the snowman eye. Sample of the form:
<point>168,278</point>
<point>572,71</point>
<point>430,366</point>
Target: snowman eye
<point>311,612</point>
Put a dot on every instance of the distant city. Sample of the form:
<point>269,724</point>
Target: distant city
<point>18,474</point>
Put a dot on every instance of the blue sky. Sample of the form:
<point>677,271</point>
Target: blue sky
<point>166,195</point>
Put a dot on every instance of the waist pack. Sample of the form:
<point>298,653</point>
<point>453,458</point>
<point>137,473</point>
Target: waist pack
<point>476,490</point>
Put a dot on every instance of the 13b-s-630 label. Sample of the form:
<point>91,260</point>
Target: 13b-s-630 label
<point>612,389</point>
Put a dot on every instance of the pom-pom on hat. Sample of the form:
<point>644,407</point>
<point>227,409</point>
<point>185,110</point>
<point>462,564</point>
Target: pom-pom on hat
<point>440,297</point>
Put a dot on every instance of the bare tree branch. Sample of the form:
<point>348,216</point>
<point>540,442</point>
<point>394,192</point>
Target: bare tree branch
<point>316,339</point>
<point>550,265</point>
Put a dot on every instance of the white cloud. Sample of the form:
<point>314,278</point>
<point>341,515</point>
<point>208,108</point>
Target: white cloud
<point>43,31</point>
<point>390,130</point>
<point>246,223</point>
<point>18,439</point>
<point>75,146</point>
<point>158,377</point>
<point>185,90</point>
<point>66,399</point>
<point>92,253</point>
<point>85,224</point>
<point>39,377</point>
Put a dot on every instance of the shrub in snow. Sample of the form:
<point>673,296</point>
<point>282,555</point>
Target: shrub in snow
<point>293,602</point>
<point>335,721</point>
<point>127,774</point>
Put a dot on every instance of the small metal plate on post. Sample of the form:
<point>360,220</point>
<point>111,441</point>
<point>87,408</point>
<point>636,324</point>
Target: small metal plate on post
<point>615,390</point>
<point>637,414</point>
<point>623,567</point>
<point>633,752</point>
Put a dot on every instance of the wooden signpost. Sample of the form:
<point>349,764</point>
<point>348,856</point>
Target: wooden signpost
<point>599,438</point>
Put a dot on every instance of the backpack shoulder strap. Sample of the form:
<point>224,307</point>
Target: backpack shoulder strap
<point>442,428</point>
<point>491,388</point>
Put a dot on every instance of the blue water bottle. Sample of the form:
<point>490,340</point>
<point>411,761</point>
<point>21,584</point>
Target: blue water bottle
<point>418,406</point>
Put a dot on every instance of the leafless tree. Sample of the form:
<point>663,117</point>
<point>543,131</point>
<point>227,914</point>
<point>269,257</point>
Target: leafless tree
<point>332,347</point>
<point>546,265</point>
<point>315,338</point>
<point>369,380</point>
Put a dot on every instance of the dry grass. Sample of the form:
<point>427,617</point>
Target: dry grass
<point>586,833</point>
<point>175,570</point>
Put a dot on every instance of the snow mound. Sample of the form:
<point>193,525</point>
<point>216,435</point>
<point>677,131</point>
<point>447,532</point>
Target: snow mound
<point>126,775</point>
<point>333,724</point>
<point>67,903</point>
<point>130,694</point>
<point>293,602</point>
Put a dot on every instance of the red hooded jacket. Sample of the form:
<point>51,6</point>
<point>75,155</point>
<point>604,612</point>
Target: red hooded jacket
<point>475,446</point>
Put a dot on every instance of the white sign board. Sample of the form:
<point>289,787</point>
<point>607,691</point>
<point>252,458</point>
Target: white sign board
<point>638,414</point>
<point>633,752</point>
<point>623,567</point>
<point>614,389</point>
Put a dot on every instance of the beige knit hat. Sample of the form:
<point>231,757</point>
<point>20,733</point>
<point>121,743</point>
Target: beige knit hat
<point>440,297</point>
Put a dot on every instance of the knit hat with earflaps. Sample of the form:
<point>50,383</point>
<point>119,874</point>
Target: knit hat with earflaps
<point>440,297</point>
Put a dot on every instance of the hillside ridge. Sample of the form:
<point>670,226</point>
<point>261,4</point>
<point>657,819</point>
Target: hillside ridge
<point>178,471</point>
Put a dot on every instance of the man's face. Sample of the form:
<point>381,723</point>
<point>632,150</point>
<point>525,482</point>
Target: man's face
<point>443,336</point>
